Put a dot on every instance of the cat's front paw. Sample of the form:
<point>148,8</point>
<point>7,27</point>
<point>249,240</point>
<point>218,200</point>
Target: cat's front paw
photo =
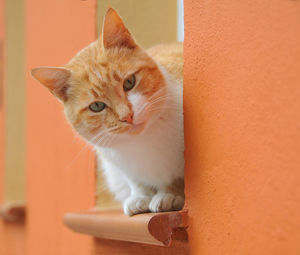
<point>163,202</point>
<point>136,204</point>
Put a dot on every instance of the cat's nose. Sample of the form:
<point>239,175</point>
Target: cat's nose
<point>128,118</point>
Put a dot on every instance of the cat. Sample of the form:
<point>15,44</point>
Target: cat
<point>127,103</point>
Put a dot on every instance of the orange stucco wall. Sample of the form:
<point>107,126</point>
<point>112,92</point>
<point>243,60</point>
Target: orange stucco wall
<point>60,167</point>
<point>242,124</point>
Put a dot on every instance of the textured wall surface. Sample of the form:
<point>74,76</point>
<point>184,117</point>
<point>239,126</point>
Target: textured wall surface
<point>242,124</point>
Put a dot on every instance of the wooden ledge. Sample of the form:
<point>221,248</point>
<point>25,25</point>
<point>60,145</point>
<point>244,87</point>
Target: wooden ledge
<point>13,212</point>
<point>149,228</point>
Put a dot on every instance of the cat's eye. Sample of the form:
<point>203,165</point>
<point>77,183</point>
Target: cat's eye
<point>129,83</point>
<point>97,106</point>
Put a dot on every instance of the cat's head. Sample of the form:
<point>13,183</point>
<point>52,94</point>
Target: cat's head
<point>112,88</point>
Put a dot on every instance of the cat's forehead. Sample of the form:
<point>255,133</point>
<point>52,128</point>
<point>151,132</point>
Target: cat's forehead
<point>108,65</point>
<point>97,81</point>
<point>112,72</point>
<point>102,73</point>
<point>105,75</point>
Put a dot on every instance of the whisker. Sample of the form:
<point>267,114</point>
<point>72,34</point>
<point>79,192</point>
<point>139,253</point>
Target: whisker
<point>87,145</point>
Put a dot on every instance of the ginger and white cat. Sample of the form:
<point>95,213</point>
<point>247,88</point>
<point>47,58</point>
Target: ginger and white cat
<point>127,102</point>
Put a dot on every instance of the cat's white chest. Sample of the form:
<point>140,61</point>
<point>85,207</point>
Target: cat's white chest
<point>155,158</point>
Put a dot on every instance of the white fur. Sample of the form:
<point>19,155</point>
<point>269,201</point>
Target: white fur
<point>153,158</point>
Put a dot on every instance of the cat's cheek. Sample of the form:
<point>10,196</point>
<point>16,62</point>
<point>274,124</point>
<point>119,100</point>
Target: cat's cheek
<point>88,126</point>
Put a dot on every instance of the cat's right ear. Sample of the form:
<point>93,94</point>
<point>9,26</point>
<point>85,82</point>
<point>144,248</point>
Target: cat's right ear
<point>114,32</point>
<point>53,78</point>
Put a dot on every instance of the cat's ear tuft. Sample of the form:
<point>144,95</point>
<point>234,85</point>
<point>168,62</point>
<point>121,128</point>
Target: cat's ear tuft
<point>114,33</point>
<point>53,78</point>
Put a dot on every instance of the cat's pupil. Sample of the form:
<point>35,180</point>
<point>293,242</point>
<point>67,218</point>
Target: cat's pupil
<point>129,83</point>
<point>97,106</point>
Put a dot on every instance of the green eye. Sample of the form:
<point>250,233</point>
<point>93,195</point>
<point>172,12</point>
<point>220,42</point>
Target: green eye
<point>97,106</point>
<point>129,83</point>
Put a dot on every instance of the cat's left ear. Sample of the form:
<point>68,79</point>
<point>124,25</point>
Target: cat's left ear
<point>114,33</point>
<point>53,78</point>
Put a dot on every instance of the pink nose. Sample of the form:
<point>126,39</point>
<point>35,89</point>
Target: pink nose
<point>128,118</point>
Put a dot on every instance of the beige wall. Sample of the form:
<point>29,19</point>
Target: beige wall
<point>15,102</point>
<point>150,21</point>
